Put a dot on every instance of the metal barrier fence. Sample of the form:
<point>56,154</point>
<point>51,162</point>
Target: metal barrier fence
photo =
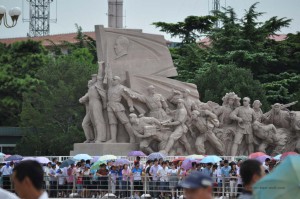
<point>131,187</point>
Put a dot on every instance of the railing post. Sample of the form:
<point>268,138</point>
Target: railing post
<point>223,186</point>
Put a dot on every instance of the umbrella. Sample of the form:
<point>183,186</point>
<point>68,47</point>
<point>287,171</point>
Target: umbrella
<point>42,160</point>
<point>154,156</point>
<point>121,161</point>
<point>67,163</point>
<point>96,165</point>
<point>14,158</point>
<point>28,158</point>
<point>7,156</point>
<point>282,182</point>
<point>107,157</point>
<point>82,157</point>
<point>262,158</point>
<point>284,155</point>
<point>136,153</point>
<point>255,155</point>
<point>187,164</point>
<point>194,156</point>
<point>277,157</point>
<point>179,159</point>
<point>95,159</point>
<point>2,154</point>
<point>211,159</point>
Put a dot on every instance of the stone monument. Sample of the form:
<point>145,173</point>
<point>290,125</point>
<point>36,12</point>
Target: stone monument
<point>133,104</point>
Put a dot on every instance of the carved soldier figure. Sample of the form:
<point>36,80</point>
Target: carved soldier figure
<point>205,121</point>
<point>96,97</point>
<point>245,116</point>
<point>180,129</point>
<point>87,124</point>
<point>257,110</point>
<point>280,118</point>
<point>116,110</point>
<point>156,103</point>
<point>146,128</point>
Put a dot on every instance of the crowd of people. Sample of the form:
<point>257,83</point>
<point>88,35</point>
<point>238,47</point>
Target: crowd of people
<point>160,179</point>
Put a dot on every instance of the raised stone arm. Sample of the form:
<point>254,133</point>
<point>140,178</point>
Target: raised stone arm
<point>233,115</point>
<point>84,99</point>
<point>128,99</point>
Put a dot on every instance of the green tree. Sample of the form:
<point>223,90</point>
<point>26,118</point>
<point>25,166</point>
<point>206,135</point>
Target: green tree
<point>19,64</point>
<point>52,112</point>
<point>190,29</point>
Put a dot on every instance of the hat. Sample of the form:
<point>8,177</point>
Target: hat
<point>196,180</point>
<point>58,171</point>
<point>87,166</point>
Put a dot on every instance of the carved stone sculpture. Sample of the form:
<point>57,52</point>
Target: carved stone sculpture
<point>245,116</point>
<point>280,118</point>
<point>257,110</point>
<point>148,129</point>
<point>205,122</point>
<point>180,129</point>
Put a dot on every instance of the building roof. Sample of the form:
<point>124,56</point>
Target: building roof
<point>56,39</point>
<point>12,131</point>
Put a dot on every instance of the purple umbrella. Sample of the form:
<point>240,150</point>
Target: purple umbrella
<point>119,162</point>
<point>136,153</point>
<point>14,158</point>
<point>42,160</point>
<point>95,159</point>
<point>262,158</point>
<point>187,164</point>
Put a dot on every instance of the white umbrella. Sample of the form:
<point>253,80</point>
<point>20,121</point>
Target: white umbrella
<point>107,157</point>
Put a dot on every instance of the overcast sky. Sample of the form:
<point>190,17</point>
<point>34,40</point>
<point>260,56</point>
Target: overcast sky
<point>141,13</point>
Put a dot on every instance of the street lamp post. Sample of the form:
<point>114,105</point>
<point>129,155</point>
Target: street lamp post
<point>14,14</point>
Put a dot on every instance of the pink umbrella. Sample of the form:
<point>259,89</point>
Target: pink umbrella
<point>255,155</point>
<point>284,155</point>
<point>7,156</point>
<point>187,164</point>
<point>262,158</point>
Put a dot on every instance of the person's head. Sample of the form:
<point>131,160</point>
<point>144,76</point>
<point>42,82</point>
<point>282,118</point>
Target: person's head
<point>72,165</point>
<point>276,108</point>
<point>138,158</point>
<point>197,185</point>
<point>59,171</point>
<point>256,104</point>
<point>137,165</point>
<point>214,167</point>
<point>133,118</point>
<point>231,99</point>
<point>194,164</point>
<point>121,45</point>
<point>116,80</point>
<point>226,163</point>
<point>155,162</point>
<point>49,164</point>
<point>113,167</point>
<point>151,90</point>
<point>93,79</point>
<point>208,165</point>
<point>267,161</point>
<point>164,164</point>
<point>103,166</point>
<point>54,160</point>
<point>195,114</point>
<point>87,167</point>
<point>186,93</point>
<point>28,177</point>
<point>251,171</point>
<point>239,162</point>
<point>53,166</point>
<point>233,165</point>
<point>246,101</point>
<point>180,103</point>
<point>90,83</point>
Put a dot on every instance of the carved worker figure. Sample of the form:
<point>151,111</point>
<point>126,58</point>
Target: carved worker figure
<point>205,122</point>
<point>280,118</point>
<point>180,129</point>
<point>245,116</point>
<point>257,110</point>
<point>156,103</point>
<point>148,130</point>
<point>96,97</point>
<point>116,110</point>
<point>87,124</point>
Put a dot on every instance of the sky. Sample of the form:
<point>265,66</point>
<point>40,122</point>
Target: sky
<point>141,13</point>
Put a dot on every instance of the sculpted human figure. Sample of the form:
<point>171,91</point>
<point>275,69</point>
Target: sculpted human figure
<point>121,46</point>
<point>148,130</point>
<point>156,103</point>
<point>280,118</point>
<point>269,136</point>
<point>257,110</point>
<point>230,102</point>
<point>245,116</point>
<point>180,128</point>
<point>87,124</point>
<point>116,110</point>
<point>205,122</point>
<point>96,97</point>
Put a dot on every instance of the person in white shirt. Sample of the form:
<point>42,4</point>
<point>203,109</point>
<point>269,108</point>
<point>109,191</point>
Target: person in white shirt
<point>7,195</point>
<point>154,185</point>
<point>162,173</point>
<point>266,164</point>
<point>173,179</point>
<point>6,172</point>
<point>53,181</point>
<point>61,182</point>
<point>28,180</point>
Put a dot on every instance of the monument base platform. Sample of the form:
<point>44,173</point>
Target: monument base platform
<point>95,149</point>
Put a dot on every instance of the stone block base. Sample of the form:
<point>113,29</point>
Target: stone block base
<point>93,149</point>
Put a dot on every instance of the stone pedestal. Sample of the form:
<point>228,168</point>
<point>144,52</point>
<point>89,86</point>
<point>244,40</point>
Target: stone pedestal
<point>93,149</point>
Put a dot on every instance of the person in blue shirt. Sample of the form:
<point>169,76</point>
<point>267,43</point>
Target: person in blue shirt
<point>119,179</point>
<point>207,170</point>
<point>113,177</point>
<point>137,178</point>
<point>225,172</point>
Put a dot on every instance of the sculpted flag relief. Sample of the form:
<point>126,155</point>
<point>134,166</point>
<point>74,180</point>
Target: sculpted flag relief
<point>133,100</point>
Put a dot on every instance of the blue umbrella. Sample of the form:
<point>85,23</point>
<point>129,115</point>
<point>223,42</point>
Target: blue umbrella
<point>67,163</point>
<point>2,154</point>
<point>211,159</point>
<point>82,157</point>
<point>282,182</point>
<point>153,156</point>
<point>14,158</point>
